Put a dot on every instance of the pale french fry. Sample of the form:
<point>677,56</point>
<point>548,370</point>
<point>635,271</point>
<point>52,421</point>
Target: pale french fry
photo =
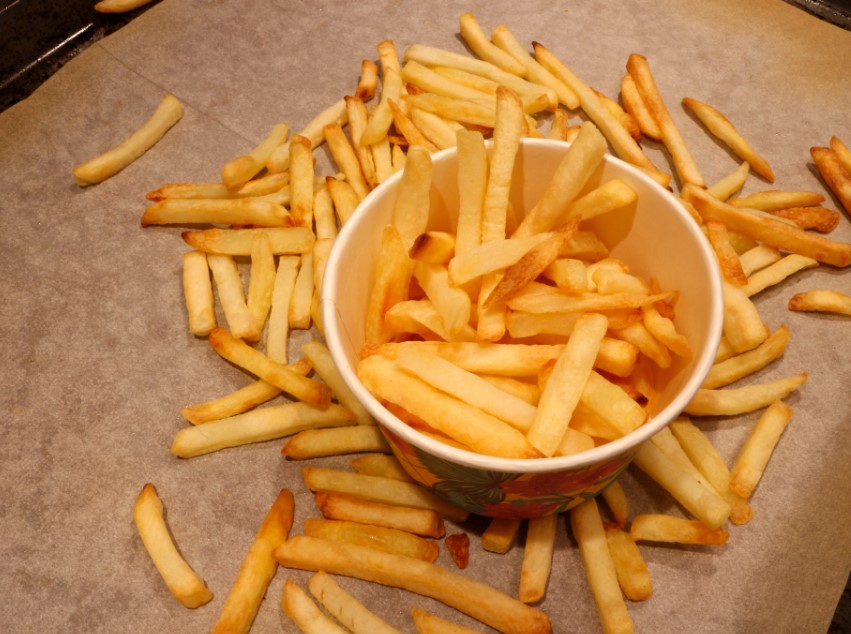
<point>733,401</point>
<point>566,382</point>
<point>430,81</point>
<point>358,120</point>
<point>241,354</point>
<point>261,281</point>
<point>622,143</point>
<point>426,623</point>
<point>320,358</point>
<point>452,303</point>
<point>405,126</point>
<point>728,259</point>
<point>726,132</point>
<point>537,557</point>
<point>198,293</point>
<point>667,528</point>
<point>411,209</point>
<point>321,253</point>
<point>228,211</point>
<point>467,111</point>
<point>183,582</point>
<point>301,301</point>
<point>382,117</point>
<point>306,615</point>
<point>168,112</point>
<point>770,231</point>
<point>388,540</point>
<point>119,6</point>
<point>775,199</point>
<point>419,521</point>
<point>335,113</point>
<point>558,302</point>
<point>633,576</point>
<point>623,117</point>
<point>616,500</point>
<point>559,125</point>
<point>316,443</point>
<point>368,82</point>
<point>474,598</point>
<point>344,156</point>
<point>634,105</point>
<point>638,66</point>
<point>257,569</point>
<point>743,326</point>
<point>301,181</point>
<point>380,465</point>
<point>753,458</point>
<point>277,334</point>
<point>258,425</point>
<point>612,404</point>
<point>267,184</point>
<point>490,257</point>
<point>500,535</point>
<point>777,272</point>
<point>842,152</point>
<point>469,425</point>
<point>242,400</point>
<point>758,258</point>
<point>730,184</point>
<point>237,172</point>
<point>638,335</point>
<point>483,48</point>
<point>285,240</point>
<point>822,300</point>
<point>420,317</point>
<point>599,568</point>
<point>345,608</point>
<point>739,366</point>
<point>232,296</point>
<point>379,489</point>
<point>663,329</point>
<point>343,196</point>
<point>701,501</point>
<point>437,130</point>
<point>392,279</point>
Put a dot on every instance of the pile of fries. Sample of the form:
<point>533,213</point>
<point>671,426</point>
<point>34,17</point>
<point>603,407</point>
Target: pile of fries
<point>280,219</point>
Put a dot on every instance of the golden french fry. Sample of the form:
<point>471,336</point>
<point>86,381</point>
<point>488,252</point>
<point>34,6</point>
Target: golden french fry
<point>732,401</point>
<point>168,112</point>
<point>419,521</point>
<point>615,499</point>
<point>743,325</point>
<point>731,183</point>
<point>335,113</point>
<point>433,247</point>
<point>739,366</point>
<point>483,48</point>
<point>411,209</point>
<point>491,256</point>
<point>452,303</point>
<point>758,258</point>
<point>667,528</point>
<point>301,180</point>
<point>368,83</point>
<point>344,156</point>
<point>183,582</point>
<point>285,240</point>
<point>277,334</point>
<point>258,425</point>
<point>426,623</point>
<point>775,199</point>
<point>315,443</point>
<point>237,172</point>
<point>634,105</point>
<point>358,120</point>
<point>345,608</point>
<point>388,540</point>
<point>380,489</point>
<point>500,535</point>
<point>198,293</point>
<point>232,296</point>
<point>382,117</point>
<point>119,6</point>
<point>600,570</point>
<point>380,465</point>
<point>701,501</point>
<point>611,404</point>
<point>267,184</point>
<point>770,231</point>
<point>257,569</point>
<point>467,111</point>
<point>405,126</point>
<point>474,598</point>
<point>242,400</point>
<point>320,358</point>
<point>728,259</point>
<point>537,557</point>
<point>301,301</point>
<point>439,131</point>
<point>638,66</point>
<point>816,218</point>
<point>420,317</point>
<point>638,335</point>
<point>229,211</point>
<point>392,279</point>
<point>822,300</point>
<point>721,127</point>
<point>633,576</point>
<point>753,458</point>
<point>305,613</point>
<point>254,361</point>
<point>777,272</point>
<point>261,281</point>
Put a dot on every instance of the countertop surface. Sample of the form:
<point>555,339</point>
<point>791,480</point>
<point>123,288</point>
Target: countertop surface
<point>96,359</point>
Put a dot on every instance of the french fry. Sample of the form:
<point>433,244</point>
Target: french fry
<point>439,131</point>
<point>775,199</point>
<point>634,105</point>
<point>739,366</point>
<point>466,111</point>
<point>753,458</point>
<point>232,296</point>
<point>721,127</point>
<point>183,582</point>
<point>758,258</point>
<point>431,81</point>
<point>257,569</point>
<point>616,500</point>
<point>320,358</point>
<point>358,120</point>
<point>427,623</point>
<point>633,576</point>
<point>246,398</point>
<point>237,172</point>
<point>345,608</point>
<point>345,158</point>
<point>777,272</point>
<point>822,300</point>
<point>301,301</point>
<point>769,231</point>
<point>600,570</point>
<point>411,209</point>
<point>405,126</point>
<point>285,240</point>
<point>306,615</point>
<point>667,528</point>
<point>368,83</point>
<point>474,598</point>
<point>344,198</point>
<point>638,66</point>
<point>382,117</point>
<point>452,303</point>
<point>743,325</point>
<point>378,489</point>
<point>315,443</point>
<point>816,218</point>
<point>301,181</point>
<point>258,425</point>
<point>566,382</point>
<point>279,160</point>
<point>198,293</point>
<point>267,184</point>
<point>433,247</point>
<point>392,279</point>
<point>491,256</point>
<point>388,540</point>
<point>701,501</point>
<point>611,404</point>
<point>500,535</point>
<point>277,334</point>
<point>419,521</point>
<point>638,335</point>
<point>228,211</point>
<point>537,557</point>
<point>728,259</point>
<point>168,112</point>
<point>731,183</point>
<point>380,465</point>
<point>483,48</point>
<point>733,401</point>
<point>119,6</point>
<point>469,425</point>
<point>254,361</point>
<point>261,281</point>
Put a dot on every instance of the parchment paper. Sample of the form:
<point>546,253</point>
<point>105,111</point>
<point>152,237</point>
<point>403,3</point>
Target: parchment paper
<point>97,360</point>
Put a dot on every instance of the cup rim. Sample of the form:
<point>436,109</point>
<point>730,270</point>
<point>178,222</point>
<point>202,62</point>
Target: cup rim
<point>584,459</point>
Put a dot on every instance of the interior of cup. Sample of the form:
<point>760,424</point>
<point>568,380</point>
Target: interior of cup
<point>655,237</point>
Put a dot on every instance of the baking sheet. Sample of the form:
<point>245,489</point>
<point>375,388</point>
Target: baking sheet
<point>96,359</point>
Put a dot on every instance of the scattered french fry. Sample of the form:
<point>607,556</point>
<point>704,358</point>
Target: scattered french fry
<point>389,540</point>
<point>667,528</point>
<point>732,401</point>
<point>345,608</point>
<point>341,506</point>
<point>315,443</point>
<point>305,613</point>
<point>633,576</point>
<point>537,557</point>
<point>822,300</point>
<point>198,293</point>
<point>753,458</point>
<point>427,623</point>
